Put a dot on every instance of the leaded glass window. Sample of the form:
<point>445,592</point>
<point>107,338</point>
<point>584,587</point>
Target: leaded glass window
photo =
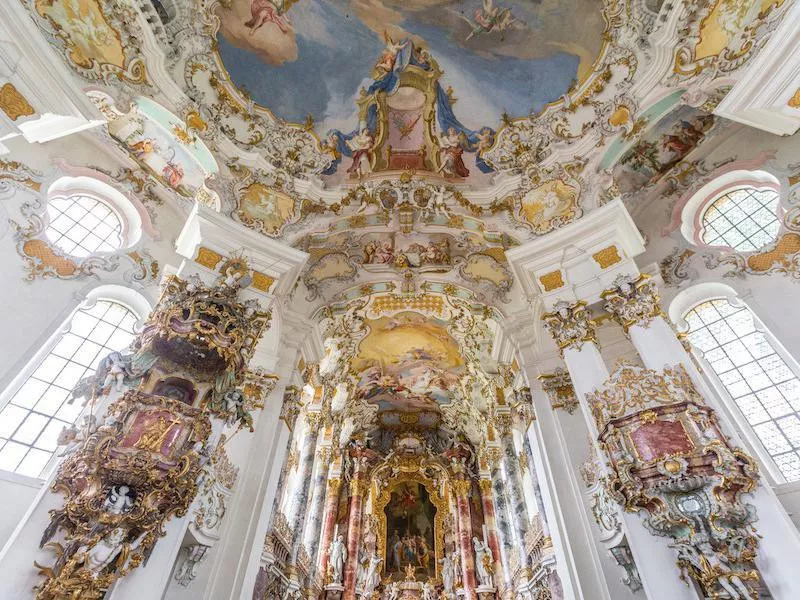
<point>744,219</point>
<point>80,225</point>
<point>37,412</point>
<point>759,380</point>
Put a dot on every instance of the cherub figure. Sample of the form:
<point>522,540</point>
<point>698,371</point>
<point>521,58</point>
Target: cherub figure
<point>119,500</point>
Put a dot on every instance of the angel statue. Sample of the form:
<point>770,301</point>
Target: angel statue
<point>392,591</point>
<point>105,551</point>
<point>428,591</point>
<point>119,500</point>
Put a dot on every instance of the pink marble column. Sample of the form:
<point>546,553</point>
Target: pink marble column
<point>462,488</point>
<point>358,487</point>
<point>489,518</point>
<point>328,524</point>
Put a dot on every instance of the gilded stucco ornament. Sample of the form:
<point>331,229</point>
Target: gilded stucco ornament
<point>670,460</point>
<point>570,325</point>
<point>782,256</point>
<point>98,39</point>
<point>41,259</point>
<point>718,37</point>
<point>633,301</point>
<point>153,451</point>
<point>558,387</point>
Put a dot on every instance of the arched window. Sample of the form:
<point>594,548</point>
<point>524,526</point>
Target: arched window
<point>81,225</point>
<point>757,376</point>
<point>86,216</point>
<point>744,219</point>
<point>739,210</point>
<point>35,408</point>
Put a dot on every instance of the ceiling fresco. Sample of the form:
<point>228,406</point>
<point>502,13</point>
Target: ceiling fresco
<point>407,362</point>
<point>312,57</point>
<point>398,85</point>
<point>406,145</point>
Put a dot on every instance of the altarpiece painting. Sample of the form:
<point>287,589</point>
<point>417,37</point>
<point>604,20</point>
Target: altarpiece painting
<point>410,532</point>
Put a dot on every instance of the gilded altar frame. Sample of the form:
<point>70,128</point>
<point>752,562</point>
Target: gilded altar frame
<point>439,501</point>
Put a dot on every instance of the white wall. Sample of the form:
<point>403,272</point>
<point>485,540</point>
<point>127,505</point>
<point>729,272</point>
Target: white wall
<point>17,493</point>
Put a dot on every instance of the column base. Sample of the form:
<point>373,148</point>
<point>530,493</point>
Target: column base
<point>334,591</point>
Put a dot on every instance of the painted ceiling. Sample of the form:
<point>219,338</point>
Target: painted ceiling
<point>405,145</point>
<point>312,57</point>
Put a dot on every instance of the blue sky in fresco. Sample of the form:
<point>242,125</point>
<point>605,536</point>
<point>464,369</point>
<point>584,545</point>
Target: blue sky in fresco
<point>336,53</point>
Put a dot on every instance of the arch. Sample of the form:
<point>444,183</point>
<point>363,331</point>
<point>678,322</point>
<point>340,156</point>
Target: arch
<point>693,212</point>
<point>36,406</point>
<point>751,370</point>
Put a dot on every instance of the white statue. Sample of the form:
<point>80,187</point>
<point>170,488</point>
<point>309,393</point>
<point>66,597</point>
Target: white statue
<point>103,553</point>
<point>428,591</point>
<point>456,567</point>
<point>482,562</point>
<point>372,579</point>
<point>361,572</point>
<point>73,437</point>
<point>448,576</point>
<point>333,352</point>
<point>339,401</point>
<point>337,556</point>
<point>116,371</point>
<point>728,579</point>
<point>119,500</point>
<point>392,591</point>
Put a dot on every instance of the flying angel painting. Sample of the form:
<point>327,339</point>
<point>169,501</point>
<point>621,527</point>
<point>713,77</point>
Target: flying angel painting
<point>491,18</point>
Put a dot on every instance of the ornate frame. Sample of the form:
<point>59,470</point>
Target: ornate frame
<point>440,502</point>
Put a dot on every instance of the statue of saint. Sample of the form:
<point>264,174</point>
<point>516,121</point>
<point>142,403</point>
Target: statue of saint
<point>337,556</point>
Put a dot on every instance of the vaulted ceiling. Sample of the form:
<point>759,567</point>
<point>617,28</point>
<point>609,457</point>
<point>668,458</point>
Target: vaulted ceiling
<point>405,145</point>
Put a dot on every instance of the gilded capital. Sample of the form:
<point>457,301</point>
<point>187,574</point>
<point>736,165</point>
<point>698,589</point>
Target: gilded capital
<point>358,486</point>
<point>633,301</point>
<point>570,325</point>
<point>462,486</point>
<point>333,485</point>
<point>558,387</point>
<point>485,485</point>
<point>314,420</point>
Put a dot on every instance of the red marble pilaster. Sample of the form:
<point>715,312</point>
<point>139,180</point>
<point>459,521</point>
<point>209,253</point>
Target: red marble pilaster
<point>487,501</point>
<point>358,487</point>
<point>328,524</point>
<point>462,488</point>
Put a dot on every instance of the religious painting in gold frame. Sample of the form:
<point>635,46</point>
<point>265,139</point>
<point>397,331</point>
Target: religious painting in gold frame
<point>441,510</point>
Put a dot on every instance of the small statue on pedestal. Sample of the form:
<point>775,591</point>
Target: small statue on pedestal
<point>337,555</point>
<point>483,562</point>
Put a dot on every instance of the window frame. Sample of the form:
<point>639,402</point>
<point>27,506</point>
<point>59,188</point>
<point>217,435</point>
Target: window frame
<point>130,220</point>
<point>694,210</point>
<point>73,197</point>
<point>729,410</point>
<point>130,299</point>
<point>752,191</point>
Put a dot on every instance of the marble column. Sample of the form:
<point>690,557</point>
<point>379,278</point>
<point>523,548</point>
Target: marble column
<point>299,503</point>
<point>530,483</point>
<point>330,513</point>
<point>462,490</point>
<point>574,332</point>
<point>487,501</point>
<point>501,514</point>
<point>635,304</point>
<point>359,485</point>
<point>518,509</point>
<point>313,528</point>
